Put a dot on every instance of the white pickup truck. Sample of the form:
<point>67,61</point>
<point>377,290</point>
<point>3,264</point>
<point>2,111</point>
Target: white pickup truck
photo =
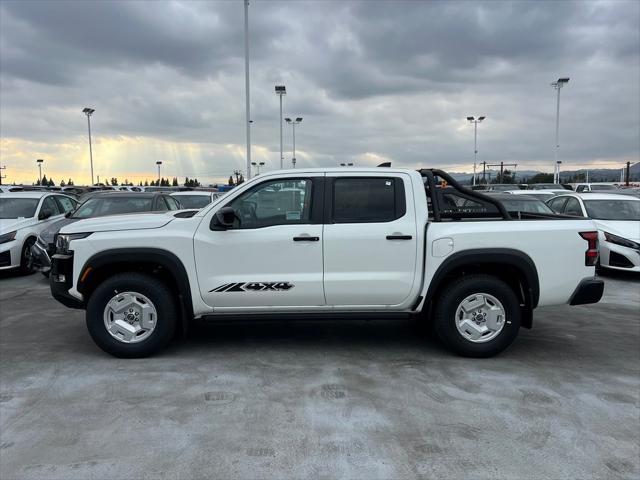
<point>344,242</point>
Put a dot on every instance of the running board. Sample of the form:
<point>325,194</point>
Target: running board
<point>306,316</point>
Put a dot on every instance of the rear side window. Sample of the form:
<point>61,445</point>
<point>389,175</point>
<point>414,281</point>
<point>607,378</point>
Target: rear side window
<point>557,204</point>
<point>65,203</point>
<point>172,203</point>
<point>573,207</point>
<point>368,200</point>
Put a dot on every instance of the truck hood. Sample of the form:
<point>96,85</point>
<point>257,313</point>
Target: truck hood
<point>132,221</point>
<point>10,224</point>
<point>629,229</point>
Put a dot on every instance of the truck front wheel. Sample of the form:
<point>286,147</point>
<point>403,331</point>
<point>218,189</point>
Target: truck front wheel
<point>131,315</point>
<point>477,316</point>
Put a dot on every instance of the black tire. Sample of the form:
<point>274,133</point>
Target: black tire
<point>156,291</point>
<point>452,297</point>
<point>25,256</point>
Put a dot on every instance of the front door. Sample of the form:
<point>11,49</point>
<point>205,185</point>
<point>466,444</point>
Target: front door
<point>272,256</point>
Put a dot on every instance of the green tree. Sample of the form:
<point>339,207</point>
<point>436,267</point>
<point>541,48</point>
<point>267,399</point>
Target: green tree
<point>44,181</point>
<point>70,182</point>
<point>230,182</point>
<point>542,178</point>
<point>62,184</point>
<point>175,182</point>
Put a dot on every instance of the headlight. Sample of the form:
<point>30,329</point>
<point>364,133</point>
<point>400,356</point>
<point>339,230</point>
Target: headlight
<point>611,238</point>
<point>64,239</point>
<point>7,237</point>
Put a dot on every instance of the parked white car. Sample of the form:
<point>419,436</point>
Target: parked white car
<point>618,220</point>
<point>543,195</point>
<point>193,199</point>
<point>23,215</point>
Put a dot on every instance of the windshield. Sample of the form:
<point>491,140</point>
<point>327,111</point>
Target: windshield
<point>603,187</point>
<point>613,209</point>
<point>97,207</point>
<point>531,206</point>
<point>18,207</point>
<point>193,201</point>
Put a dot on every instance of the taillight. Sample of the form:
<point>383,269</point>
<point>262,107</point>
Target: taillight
<point>591,255</point>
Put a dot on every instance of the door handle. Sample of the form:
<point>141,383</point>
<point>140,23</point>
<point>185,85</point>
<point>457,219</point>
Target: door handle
<point>306,238</point>
<point>399,237</point>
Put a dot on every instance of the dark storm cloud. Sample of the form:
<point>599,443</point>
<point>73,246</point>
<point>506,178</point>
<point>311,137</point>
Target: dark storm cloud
<point>394,79</point>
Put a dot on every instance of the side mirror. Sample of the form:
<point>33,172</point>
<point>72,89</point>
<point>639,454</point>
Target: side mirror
<point>223,219</point>
<point>44,215</point>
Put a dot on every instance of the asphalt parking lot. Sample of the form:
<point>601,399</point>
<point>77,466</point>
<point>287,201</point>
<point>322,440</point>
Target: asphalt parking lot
<point>320,399</point>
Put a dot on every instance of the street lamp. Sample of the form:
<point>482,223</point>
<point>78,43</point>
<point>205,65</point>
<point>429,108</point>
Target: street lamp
<point>280,91</point>
<point>475,122</point>
<point>293,123</point>
<point>257,165</point>
<point>88,112</point>
<point>39,162</point>
<point>158,164</point>
<point>246,85</point>
<point>561,82</point>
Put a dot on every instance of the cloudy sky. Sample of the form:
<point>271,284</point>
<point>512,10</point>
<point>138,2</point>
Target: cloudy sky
<point>373,80</point>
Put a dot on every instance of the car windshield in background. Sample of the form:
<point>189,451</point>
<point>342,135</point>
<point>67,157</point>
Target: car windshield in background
<point>530,206</point>
<point>193,201</point>
<point>597,188</point>
<point>18,207</point>
<point>613,209</point>
<point>97,207</point>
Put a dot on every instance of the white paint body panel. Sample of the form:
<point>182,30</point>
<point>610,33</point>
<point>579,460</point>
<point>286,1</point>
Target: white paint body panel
<point>351,268</point>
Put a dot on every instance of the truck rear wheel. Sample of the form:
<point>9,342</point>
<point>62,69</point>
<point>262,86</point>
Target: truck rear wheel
<point>131,315</point>
<point>477,316</point>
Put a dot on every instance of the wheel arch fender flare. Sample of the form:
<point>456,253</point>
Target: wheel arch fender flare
<point>137,257</point>
<point>476,258</point>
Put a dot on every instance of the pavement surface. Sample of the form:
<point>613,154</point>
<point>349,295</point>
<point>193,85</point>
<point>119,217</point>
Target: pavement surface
<point>322,399</point>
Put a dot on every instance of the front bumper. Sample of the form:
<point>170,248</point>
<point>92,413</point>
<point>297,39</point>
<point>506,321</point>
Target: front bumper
<point>590,290</point>
<point>61,280</point>
<point>619,257</point>
<point>10,253</point>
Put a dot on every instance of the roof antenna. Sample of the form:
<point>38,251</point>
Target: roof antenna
<point>385,164</point>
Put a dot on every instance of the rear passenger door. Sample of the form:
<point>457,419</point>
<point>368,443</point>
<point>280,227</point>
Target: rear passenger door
<point>370,245</point>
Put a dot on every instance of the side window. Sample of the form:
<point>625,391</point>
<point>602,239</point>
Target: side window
<point>50,206</point>
<point>581,188</point>
<point>368,200</point>
<point>573,208</point>
<point>279,202</point>
<point>557,204</point>
<point>173,204</point>
<point>65,204</point>
<point>161,205</point>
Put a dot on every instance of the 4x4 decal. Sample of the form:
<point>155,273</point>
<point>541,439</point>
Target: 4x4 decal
<point>253,287</point>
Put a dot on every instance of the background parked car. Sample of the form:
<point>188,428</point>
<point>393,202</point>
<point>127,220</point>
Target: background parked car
<point>98,204</point>
<point>23,215</point>
<point>618,220</point>
<point>196,198</point>
<point>542,195</point>
<point>521,203</point>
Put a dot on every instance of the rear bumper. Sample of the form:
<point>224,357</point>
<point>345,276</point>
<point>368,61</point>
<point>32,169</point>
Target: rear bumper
<point>590,290</point>
<point>61,280</point>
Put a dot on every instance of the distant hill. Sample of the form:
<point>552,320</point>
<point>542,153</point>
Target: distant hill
<point>595,174</point>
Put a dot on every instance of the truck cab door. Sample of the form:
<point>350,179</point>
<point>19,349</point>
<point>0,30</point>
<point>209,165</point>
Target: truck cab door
<point>370,240</point>
<point>271,257</point>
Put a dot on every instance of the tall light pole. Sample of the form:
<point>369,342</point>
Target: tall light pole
<point>558,84</point>
<point>39,162</point>
<point>88,112</point>
<point>475,122</point>
<point>158,164</point>
<point>246,84</point>
<point>257,165</point>
<point>293,123</point>
<point>280,91</point>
